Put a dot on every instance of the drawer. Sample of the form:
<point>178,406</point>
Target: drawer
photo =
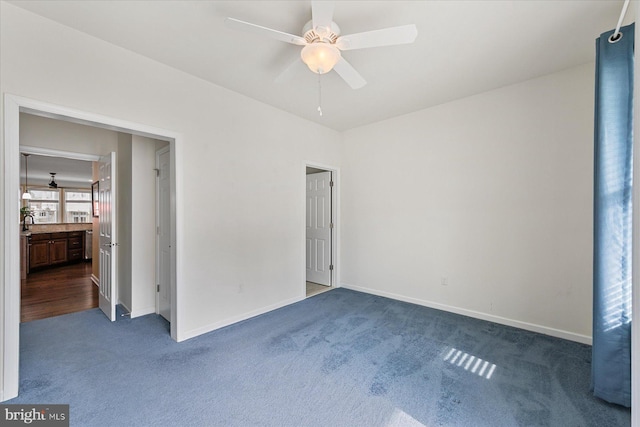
<point>74,243</point>
<point>58,236</point>
<point>74,255</point>
<point>39,237</point>
<point>75,234</point>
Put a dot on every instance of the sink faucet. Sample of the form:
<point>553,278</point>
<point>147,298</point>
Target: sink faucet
<point>24,222</point>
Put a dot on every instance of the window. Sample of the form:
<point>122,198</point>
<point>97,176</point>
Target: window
<point>47,209</point>
<point>45,205</point>
<point>77,205</point>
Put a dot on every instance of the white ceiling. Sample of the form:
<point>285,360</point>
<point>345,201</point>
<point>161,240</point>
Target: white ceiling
<point>69,172</point>
<point>463,47</point>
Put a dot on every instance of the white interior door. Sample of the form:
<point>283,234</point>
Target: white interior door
<point>163,254</point>
<point>107,220</point>
<point>319,227</point>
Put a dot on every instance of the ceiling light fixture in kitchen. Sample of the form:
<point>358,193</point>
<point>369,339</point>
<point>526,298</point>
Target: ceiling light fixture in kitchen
<point>26,195</point>
<point>53,183</point>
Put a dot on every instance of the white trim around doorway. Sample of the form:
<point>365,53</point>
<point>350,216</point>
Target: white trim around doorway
<point>335,213</point>
<point>9,218</point>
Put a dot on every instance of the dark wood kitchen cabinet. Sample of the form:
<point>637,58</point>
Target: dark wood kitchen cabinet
<point>58,248</point>
<point>75,246</point>
<point>39,250</point>
<point>51,249</point>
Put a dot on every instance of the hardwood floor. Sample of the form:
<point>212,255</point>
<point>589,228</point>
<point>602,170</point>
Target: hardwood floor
<point>57,291</point>
<point>315,289</point>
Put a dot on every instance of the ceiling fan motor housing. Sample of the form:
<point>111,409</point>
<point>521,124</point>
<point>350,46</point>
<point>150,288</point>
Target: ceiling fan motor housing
<point>321,34</point>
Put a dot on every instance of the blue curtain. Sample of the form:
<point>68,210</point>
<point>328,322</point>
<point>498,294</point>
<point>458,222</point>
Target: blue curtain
<point>611,354</point>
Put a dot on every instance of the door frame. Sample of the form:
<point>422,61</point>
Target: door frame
<point>157,154</point>
<point>9,214</point>
<point>335,214</point>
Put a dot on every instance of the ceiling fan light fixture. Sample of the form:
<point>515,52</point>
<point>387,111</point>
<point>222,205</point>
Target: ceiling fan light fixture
<point>53,183</point>
<point>320,57</point>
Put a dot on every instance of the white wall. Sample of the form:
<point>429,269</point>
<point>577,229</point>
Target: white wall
<point>493,192</point>
<point>143,225</point>
<point>250,156</point>
<point>136,223</point>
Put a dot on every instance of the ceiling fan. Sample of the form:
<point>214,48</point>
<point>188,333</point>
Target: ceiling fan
<point>53,183</point>
<point>323,43</point>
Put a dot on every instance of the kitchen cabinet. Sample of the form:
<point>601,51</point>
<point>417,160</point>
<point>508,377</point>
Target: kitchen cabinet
<point>50,249</point>
<point>75,246</point>
<point>58,248</point>
<point>23,258</point>
<point>39,250</point>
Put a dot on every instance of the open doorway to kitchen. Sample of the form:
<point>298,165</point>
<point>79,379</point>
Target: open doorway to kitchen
<point>56,239</point>
<point>14,106</point>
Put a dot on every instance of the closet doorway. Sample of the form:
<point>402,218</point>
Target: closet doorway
<point>319,230</point>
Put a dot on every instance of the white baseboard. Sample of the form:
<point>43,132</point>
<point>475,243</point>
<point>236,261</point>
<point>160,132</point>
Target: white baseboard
<point>235,319</point>
<point>95,280</point>
<point>143,312</point>
<point>558,333</point>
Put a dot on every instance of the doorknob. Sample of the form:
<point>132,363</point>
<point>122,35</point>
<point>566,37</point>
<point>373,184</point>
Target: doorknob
<point>110,244</point>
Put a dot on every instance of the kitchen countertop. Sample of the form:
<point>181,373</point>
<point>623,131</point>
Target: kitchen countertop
<point>29,232</point>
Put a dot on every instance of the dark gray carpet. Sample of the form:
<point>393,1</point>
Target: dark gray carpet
<point>341,358</point>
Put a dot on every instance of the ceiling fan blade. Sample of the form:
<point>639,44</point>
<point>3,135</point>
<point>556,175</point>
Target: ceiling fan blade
<point>289,71</point>
<point>349,74</point>
<point>385,37</point>
<point>322,13</point>
<point>237,24</point>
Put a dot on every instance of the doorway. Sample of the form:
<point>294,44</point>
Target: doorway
<point>14,105</point>
<point>320,241</point>
<point>56,257</point>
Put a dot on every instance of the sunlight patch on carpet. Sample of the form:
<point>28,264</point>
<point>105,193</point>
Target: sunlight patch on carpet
<point>470,363</point>
<point>399,418</point>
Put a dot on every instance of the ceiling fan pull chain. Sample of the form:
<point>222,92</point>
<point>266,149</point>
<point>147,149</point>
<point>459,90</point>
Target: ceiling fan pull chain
<point>319,95</point>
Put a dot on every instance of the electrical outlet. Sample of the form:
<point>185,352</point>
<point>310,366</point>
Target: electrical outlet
<point>444,281</point>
